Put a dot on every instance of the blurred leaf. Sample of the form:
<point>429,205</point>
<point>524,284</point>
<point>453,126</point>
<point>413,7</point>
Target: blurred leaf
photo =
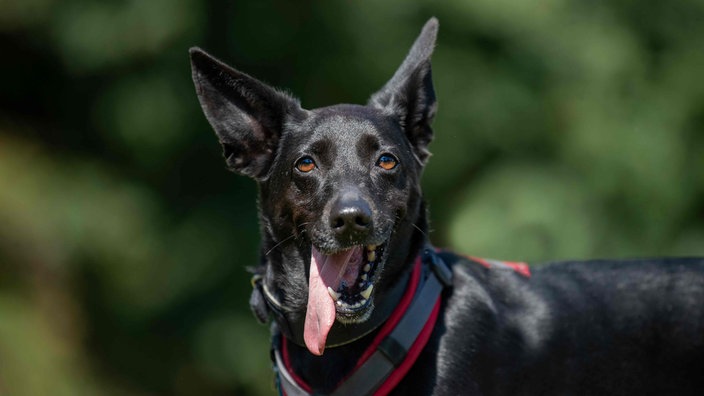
<point>94,34</point>
<point>523,211</point>
<point>34,360</point>
<point>146,116</point>
<point>15,14</point>
<point>221,346</point>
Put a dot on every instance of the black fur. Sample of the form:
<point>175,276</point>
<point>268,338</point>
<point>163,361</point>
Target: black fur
<point>573,328</point>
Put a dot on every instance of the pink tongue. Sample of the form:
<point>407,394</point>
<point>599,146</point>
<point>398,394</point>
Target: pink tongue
<point>320,315</point>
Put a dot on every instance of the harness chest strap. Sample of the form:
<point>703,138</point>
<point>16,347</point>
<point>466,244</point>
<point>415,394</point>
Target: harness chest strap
<point>397,351</point>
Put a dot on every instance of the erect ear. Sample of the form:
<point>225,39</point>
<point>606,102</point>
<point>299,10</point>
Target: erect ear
<point>246,114</point>
<point>409,95</point>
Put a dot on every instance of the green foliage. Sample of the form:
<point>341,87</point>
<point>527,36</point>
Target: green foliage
<point>565,129</point>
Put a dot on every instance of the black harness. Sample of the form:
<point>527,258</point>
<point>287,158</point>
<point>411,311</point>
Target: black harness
<point>389,362</point>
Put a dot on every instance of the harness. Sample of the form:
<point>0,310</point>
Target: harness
<point>403,335</point>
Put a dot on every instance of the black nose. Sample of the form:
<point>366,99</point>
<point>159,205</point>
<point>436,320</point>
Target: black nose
<point>350,216</point>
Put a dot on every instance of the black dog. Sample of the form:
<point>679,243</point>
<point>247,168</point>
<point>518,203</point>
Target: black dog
<point>362,304</point>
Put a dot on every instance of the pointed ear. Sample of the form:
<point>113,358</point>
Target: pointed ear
<point>246,114</point>
<point>410,96</point>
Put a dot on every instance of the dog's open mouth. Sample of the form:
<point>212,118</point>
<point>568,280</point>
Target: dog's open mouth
<point>340,286</point>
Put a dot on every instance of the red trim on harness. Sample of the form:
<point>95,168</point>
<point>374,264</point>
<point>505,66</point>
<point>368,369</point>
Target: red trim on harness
<point>287,363</point>
<point>386,329</point>
<point>520,267</point>
<point>480,261</point>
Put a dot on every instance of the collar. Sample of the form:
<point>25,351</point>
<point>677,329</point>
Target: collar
<point>397,345</point>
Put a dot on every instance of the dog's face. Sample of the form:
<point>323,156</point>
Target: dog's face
<point>340,203</point>
<point>343,186</point>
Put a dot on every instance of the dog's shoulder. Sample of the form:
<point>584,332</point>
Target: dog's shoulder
<point>492,287</point>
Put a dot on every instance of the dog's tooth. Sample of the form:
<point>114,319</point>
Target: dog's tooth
<point>367,267</point>
<point>362,302</point>
<point>367,292</point>
<point>335,295</point>
<point>339,302</point>
<point>371,255</point>
<point>371,248</point>
<point>363,277</point>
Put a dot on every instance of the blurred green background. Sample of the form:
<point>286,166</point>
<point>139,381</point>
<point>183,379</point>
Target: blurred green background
<point>565,129</point>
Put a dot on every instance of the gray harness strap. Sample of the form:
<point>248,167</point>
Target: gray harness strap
<point>287,383</point>
<point>393,348</point>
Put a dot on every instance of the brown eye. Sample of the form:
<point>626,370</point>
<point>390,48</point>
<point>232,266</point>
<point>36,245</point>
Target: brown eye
<point>387,161</point>
<point>305,164</point>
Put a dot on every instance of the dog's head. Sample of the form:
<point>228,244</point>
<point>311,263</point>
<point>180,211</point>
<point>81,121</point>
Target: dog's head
<point>340,204</point>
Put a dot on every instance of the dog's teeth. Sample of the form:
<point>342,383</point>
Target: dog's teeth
<point>335,295</point>
<point>371,248</point>
<point>362,302</point>
<point>371,255</point>
<point>339,302</point>
<point>367,267</point>
<point>363,277</point>
<point>367,292</point>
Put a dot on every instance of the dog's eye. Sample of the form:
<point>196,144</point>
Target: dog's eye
<point>305,164</point>
<point>387,161</point>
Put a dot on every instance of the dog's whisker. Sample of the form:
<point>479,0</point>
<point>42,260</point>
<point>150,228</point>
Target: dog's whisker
<point>301,230</point>
<point>419,229</point>
<point>279,244</point>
